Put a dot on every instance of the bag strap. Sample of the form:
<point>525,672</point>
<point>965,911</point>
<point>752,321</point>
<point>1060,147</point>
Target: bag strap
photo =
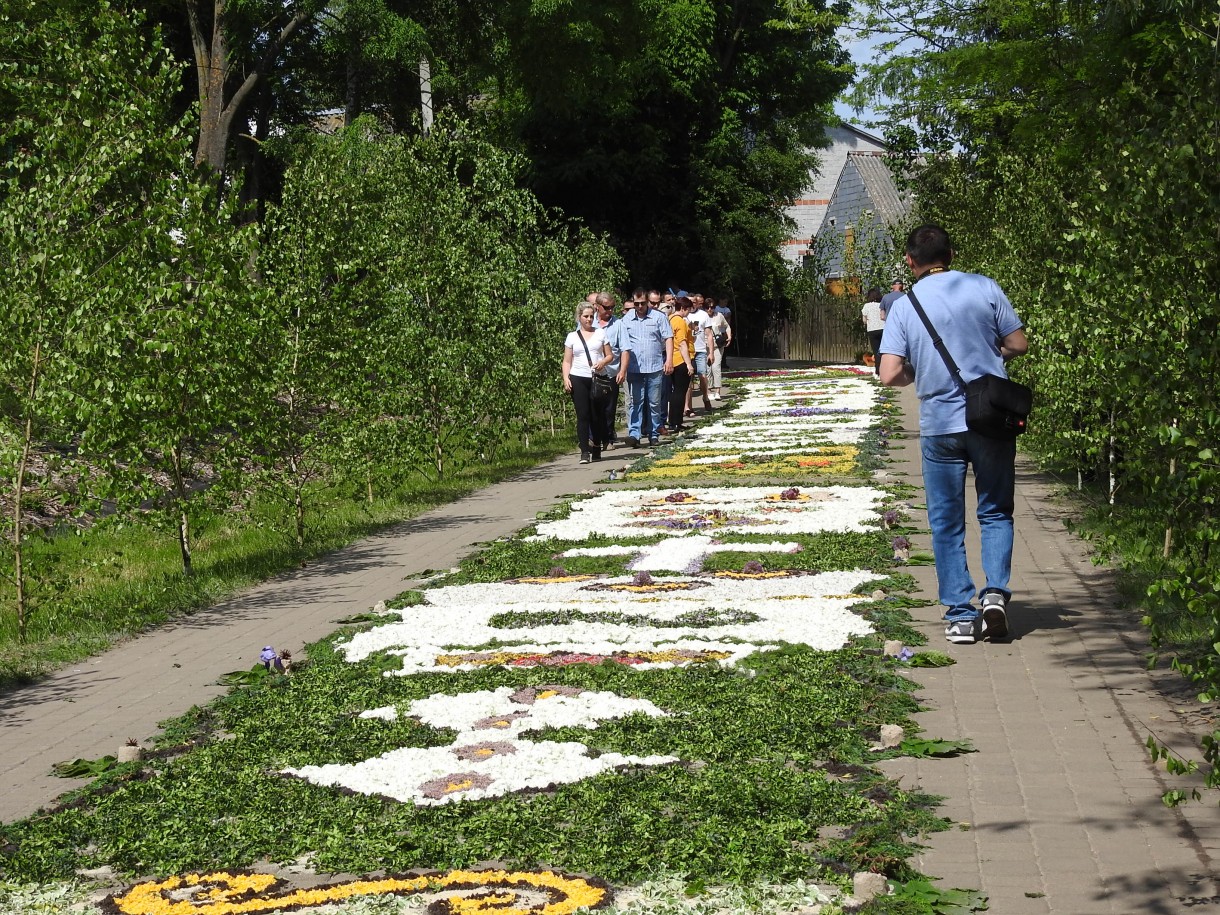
<point>587,356</point>
<point>937,341</point>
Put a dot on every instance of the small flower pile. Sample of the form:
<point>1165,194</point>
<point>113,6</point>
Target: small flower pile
<point>902,548</point>
<point>791,494</point>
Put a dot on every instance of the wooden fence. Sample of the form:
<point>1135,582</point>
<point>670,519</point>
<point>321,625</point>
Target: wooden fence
<point>825,329</point>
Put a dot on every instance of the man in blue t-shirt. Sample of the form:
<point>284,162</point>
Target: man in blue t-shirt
<point>981,332</point>
<point>898,289</point>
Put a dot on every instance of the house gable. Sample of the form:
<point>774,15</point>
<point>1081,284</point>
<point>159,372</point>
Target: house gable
<point>809,210</point>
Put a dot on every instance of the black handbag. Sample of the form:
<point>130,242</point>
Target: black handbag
<point>996,407</point>
<point>603,386</point>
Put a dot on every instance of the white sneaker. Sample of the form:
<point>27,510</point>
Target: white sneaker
<point>963,632</point>
<point>995,619</point>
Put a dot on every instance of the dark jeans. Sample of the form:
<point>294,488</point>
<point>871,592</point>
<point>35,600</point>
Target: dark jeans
<point>677,396</point>
<point>609,408</point>
<point>874,341</point>
<point>590,415</point>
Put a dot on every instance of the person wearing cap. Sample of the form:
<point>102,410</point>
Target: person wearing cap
<point>897,291</point>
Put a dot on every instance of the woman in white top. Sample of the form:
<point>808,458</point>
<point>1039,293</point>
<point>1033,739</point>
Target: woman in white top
<point>874,325</point>
<point>585,352</point>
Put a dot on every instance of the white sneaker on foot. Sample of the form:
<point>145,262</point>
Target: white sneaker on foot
<point>995,619</point>
<point>963,632</point>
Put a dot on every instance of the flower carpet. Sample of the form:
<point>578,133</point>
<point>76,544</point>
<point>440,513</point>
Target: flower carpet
<point>787,424</point>
<point>654,696</point>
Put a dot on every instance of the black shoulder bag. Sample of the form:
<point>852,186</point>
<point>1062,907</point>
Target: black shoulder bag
<point>602,385</point>
<point>996,407</point>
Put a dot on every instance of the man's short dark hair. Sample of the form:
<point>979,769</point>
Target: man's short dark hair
<point>929,244</point>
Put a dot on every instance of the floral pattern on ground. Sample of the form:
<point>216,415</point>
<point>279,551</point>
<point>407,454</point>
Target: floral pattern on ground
<point>682,553</point>
<point>833,460</point>
<point>656,587</point>
<point>507,763</point>
<point>454,630</point>
<point>541,892</point>
<point>616,513</point>
<point>673,656</point>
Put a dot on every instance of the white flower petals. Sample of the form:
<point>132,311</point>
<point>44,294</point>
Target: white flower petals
<point>488,757</point>
<point>642,512</point>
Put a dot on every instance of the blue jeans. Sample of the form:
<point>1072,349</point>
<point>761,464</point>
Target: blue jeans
<point>944,478</point>
<point>647,414</point>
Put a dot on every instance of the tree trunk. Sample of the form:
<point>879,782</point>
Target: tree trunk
<point>351,97</point>
<point>184,524</point>
<point>298,507</point>
<point>1113,458</point>
<point>23,610</point>
<point>213,67</point>
<point>184,542</point>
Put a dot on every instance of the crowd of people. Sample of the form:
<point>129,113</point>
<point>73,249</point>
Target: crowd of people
<point>658,350</point>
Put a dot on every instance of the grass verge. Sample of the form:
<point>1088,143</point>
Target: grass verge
<point>122,577</point>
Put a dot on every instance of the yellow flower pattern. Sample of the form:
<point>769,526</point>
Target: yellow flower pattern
<point>223,893</point>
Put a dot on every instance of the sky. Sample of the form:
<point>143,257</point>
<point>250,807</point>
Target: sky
<point>862,51</point>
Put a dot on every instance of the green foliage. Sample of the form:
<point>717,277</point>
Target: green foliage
<point>931,659</point>
<point>924,747</point>
<point>1086,181</point>
<point>106,245</point>
<point>414,286</point>
<point>85,768</point>
<point>704,124</point>
<point>922,897</point>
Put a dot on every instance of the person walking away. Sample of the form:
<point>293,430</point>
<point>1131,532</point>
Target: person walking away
<point>897,291</point>
<point>723,308</point>
<point>982,333</point>
<point>684,363</point>
<point>585,351</point>
<point>874,325</point>
<point>722,336</point>
<point>700,327</point>
<point>657,304</point>
<point>608,322</point>
<point>651,344</point>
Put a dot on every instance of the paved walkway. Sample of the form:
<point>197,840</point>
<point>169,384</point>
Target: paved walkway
<point>1059,811</point>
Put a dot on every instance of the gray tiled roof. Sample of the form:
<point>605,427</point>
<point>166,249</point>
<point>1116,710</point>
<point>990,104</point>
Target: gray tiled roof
<point>889,204</point>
